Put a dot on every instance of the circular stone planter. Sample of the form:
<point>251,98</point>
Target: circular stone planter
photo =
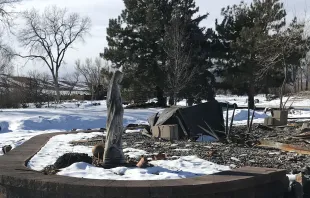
<point>17,181</point>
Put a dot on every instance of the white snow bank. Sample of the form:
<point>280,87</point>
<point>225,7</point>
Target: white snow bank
<point>133,131</point>
<point>19,125</point>
<point>291,177</point>
<point>4,127</point>
<point>58,146</point>
<point>242,115</point>
<point>134,153</point>
<point>239,100</point>
<point>184,167</point>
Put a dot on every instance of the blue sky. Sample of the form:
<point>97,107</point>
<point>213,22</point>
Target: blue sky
<point>100,11</point>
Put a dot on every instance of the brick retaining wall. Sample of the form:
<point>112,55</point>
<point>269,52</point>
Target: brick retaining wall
<point>17,181</point>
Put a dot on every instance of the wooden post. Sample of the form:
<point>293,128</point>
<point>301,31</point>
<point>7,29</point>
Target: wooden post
<point>226,127</point>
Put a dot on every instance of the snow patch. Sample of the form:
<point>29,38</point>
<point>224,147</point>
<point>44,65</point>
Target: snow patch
<point>133,130</point>
<point>4,127</point>
<point>58,146</point>
<point>243,115</point>
<point>184,167</point>
<point>19,125</point>
<point>206,138</point>
<point>134,153</point>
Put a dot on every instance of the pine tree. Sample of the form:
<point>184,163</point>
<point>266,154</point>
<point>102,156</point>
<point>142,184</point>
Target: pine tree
<point>187,51</point>
<point>241,32</point>
<point>137,42</point>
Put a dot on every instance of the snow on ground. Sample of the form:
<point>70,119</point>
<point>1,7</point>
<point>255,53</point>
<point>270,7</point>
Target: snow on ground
<point>184,167</point>
<point>241,116</point>
<point>58,146</point>
<point>241,101</point>
<point>133,130</point>
<point>19,125</point>
<point>206,138</point>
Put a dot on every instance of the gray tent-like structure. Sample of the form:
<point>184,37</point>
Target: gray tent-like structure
<point>193,121</point>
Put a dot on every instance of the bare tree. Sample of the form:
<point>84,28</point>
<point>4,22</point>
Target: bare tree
<point>72,80</point>
<point>7,13</point>
<point>34,88</point>
<point>177,67</point>
<point>307,69</point>
<point>48,36</point>
<point>5,59</point>
<point>6,22</point>
<point>284,49</point>
<point>6,70</point>
<point>91,72</point>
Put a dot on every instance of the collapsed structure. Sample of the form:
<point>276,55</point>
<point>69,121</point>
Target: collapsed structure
<point>189,122</point>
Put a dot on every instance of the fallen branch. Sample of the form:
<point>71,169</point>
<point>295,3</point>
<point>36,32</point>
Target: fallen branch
<point>283,147</point>
<point>303,136</point>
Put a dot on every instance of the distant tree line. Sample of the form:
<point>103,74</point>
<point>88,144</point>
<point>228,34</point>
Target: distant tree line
<point>165,51</point>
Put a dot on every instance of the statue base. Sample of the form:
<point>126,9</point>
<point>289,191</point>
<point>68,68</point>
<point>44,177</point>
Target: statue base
<point>109,166</point>
<point>114,157</point>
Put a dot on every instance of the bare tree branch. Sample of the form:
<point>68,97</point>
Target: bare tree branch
<point>72,80</point>
<point>178,69</point>
<point>91,72</point>
<point>48,37</point>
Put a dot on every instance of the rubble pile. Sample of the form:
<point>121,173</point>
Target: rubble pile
<point>235,153</point>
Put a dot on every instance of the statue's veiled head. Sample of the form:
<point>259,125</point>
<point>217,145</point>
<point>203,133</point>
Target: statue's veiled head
<point>118,76</point>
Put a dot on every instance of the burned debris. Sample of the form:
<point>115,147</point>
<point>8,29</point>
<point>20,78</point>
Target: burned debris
<point>278,118</point>
<point>189,122</point>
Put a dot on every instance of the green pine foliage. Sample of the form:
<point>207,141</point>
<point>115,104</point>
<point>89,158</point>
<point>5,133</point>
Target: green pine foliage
<point>138,41</point>
<point>252,49</point>
<point>243,33</point>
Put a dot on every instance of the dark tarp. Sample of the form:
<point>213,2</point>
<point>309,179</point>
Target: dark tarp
<point>190,118</point>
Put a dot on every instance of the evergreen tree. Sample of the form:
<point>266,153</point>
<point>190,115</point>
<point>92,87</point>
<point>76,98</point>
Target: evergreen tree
<point>188,53</point>
<point>137,41</point>
<point>241,33</point>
